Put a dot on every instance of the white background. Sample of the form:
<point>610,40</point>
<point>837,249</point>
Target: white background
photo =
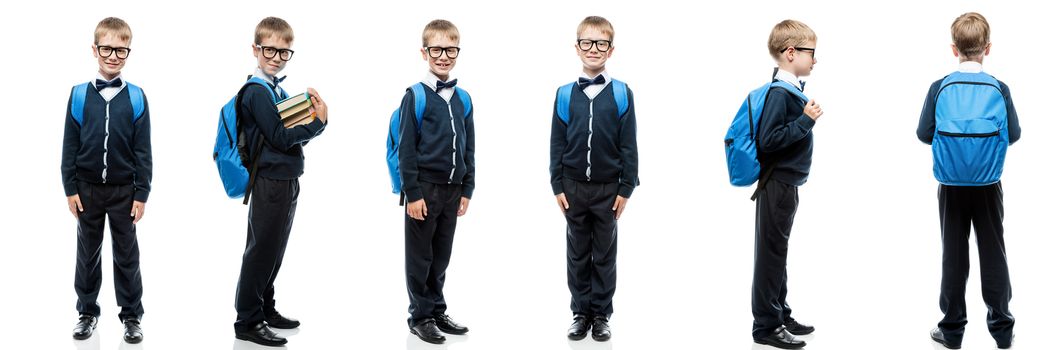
<point>865,250</point>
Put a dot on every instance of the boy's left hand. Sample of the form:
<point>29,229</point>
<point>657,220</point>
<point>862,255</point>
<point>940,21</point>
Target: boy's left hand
<point>138,209</point>
<point>618,206</point>
<point>318,107</point>
<point>464,201</point>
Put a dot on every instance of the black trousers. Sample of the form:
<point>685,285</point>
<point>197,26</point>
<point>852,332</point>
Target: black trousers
<point>959,208</point>
<point>428,248</point>
<point>113,201</point>
<point>271,209</point>
<point>775,211</point>
<point>591,246</point>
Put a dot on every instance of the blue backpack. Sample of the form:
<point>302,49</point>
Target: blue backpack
<point>620,96</point>
<point>971,139</point>
<point>394,133</point>
<point>230,147</point>
<point>80,93</point>
<point>742,156</point>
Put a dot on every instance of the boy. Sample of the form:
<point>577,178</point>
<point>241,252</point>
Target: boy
<point>107,165</point>
<point>276,189</point>
<point>785,144</point>
<point>594,169</point>
<point>964,201</point>
<point>436,158</point>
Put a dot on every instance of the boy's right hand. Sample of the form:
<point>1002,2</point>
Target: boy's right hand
<point>417,210</point>
<point>813,110</point>
<point>75,206</point>
<point>318,107</point>
<point>563,203</point>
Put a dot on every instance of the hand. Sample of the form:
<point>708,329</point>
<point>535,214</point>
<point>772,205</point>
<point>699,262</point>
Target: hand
<point>563,203</point>
<point>618,206</point>
<point>318,107</point>
<point>813,110</point>
<point>75,206</point>
<point>464,201</point>
<point>138,209</point>
<point>417,210</point>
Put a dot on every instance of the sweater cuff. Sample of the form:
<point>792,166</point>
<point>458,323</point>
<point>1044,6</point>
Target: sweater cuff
<point>413,195</point>
<point>625,191</point>
<point>557,187</point>
<point>805,122</point>
<point>141,195</point>
<point>468,191</point>
<point>70,188</point>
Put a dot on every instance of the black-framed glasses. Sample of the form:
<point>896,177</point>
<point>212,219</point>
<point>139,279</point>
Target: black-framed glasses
<point>813,51</point>
<point>587,44</point>
<point>436,51</point>
<point>106,51</point>
<point>270,52</point>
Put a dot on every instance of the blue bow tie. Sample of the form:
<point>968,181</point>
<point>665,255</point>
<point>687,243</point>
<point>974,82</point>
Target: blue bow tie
<point>584,82</point>
<point>802,84</point>
<point>444,85</point>
<point>102,84</point>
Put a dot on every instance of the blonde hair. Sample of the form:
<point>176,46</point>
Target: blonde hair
<point>440,27</point>
<point>970,34</point>
<point>788,33</point>
<point>596,22</point>
<point>271,26</point>
<point>112,26</point>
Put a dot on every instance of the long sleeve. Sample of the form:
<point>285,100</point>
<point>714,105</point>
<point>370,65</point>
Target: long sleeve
<point>629,151</point>
<point>778,130</point>
<point>70,148</point>
<point>143,154</point>
<point>258,103</point>
<point>407,154</point>
<point>558,149</point>
<point>1014,131</point>
<point>468,157</point>
<point>925,131</point>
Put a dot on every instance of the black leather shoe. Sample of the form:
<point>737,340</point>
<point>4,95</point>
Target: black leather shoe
<point>600,329</point>
<point>781,338</point>
<point>262,335</point>
<point>428,332</point>
<point>447,325</point>
<point>276,320</point>
<point>1005,344</point>
<point>579,329</point>
<point>796,328</point>
<point>939,336</point>
<point>84,327</point>
<point>132,331</point>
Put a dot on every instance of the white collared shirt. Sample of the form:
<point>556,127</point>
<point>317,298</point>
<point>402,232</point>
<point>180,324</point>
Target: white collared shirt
<point>269,79</point>
<point>431,80</point>
<point>110,91</point>
<point>592,90</point>
<point>788,77</point>
<point>970,67</point>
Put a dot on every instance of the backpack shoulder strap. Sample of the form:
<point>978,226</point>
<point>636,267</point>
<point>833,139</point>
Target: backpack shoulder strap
<point>465,98</point>
<point>138,104</point>
<point>620,95</point>
<point>260,81</point>
<point>562,101</point>
<point>76,104</point>
<point>419,95</point>
<point>791,88</point>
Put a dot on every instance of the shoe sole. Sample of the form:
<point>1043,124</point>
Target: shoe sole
<point>800,332</point>
<point>763,342</point>
<point>133,340</point>
<point>945,344</point>
<point>600,338</point>
<point>435,341</point>
<point>247,339</point>
<point>85,337</point>
<point>578,337</point>
<point>453,331</point>
<point>282,326</point>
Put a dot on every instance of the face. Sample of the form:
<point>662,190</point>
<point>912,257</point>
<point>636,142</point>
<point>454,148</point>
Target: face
<point>117,50</point>
<point>443,63</point>
<point>594,57</point>
<point>801,58</point>
<point>272,45</point>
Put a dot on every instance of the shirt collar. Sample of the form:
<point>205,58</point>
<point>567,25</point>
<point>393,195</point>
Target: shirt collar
<point>431,80</point>
<point>970,67</point>
<point>788,77</point>
<point>262,75</point>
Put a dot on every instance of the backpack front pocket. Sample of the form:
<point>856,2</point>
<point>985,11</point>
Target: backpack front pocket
<point>969,152</point>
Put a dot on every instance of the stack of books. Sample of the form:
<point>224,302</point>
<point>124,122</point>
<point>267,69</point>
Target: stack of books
<point>295,110</point>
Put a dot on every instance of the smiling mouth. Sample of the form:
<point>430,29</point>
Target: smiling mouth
<point>442,65</point>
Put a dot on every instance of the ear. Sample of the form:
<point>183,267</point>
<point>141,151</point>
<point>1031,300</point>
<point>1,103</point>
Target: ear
<point>95,50</point>
<point>988,47</point>
<point>955,51</point>
<point>423,53</point>
<point>790,54</point>
<point>609,53</point>
<point>255,51</point>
